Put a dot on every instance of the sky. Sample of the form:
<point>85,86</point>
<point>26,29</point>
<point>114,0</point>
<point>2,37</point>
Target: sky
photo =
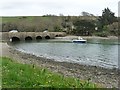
<point>56,7</point>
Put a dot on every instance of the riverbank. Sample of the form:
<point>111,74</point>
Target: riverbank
<point>105,77</point>
<point>87,37</point>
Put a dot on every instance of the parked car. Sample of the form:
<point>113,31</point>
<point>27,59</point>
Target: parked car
<point>14,31</point>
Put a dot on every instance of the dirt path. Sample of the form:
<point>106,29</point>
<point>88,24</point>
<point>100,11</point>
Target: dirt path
<point>105,77</point>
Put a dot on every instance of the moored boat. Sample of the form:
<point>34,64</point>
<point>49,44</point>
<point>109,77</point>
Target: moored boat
<point>79,40</point>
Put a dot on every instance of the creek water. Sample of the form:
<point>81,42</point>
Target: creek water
<point>96,52</point>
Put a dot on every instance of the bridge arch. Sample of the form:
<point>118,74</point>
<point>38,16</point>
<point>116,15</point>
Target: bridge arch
<point>56,35</point>
<point>38,38</point>
<point>15,39</point>
<point>47,37</point>
<point>28,38</point>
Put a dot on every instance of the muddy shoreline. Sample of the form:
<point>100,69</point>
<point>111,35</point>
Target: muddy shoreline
<point>87,37</point>
<point>107,78</point>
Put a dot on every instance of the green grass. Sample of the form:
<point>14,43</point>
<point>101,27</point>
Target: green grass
<point>28,19</point>
<point>29,76</point>
<point>9,19</point>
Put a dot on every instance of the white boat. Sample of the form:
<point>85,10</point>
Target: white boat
<point>79,40</point>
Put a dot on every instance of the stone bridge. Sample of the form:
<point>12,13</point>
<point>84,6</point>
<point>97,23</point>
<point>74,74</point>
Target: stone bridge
<point>22,36</point>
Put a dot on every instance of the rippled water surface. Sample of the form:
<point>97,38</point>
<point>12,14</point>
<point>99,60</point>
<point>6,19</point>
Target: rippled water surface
<point>96,52</point>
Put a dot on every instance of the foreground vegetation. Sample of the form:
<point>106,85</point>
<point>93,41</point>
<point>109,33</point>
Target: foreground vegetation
<point>16,75</point>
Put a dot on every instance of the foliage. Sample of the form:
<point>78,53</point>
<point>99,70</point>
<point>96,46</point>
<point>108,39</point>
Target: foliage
<point>102,34</point>
<point>16,75</point>
<point>113,28</point>
<point>107,17</point>
<point>57,29</point>
<point>84,27</point>
<point>105,23</point>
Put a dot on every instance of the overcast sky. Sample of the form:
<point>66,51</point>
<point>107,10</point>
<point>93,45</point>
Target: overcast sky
<point>56,7</point>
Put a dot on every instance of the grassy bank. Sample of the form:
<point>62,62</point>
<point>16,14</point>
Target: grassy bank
<point>26,76</point>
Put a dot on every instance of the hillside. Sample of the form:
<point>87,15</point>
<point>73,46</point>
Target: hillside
<point>76,25</point>
<point>38,23</point>
<point>30,23</point>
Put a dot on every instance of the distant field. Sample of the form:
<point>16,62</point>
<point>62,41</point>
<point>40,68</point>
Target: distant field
<point>42,18</point>
<point>28,18</point>
<point>9,19</point>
